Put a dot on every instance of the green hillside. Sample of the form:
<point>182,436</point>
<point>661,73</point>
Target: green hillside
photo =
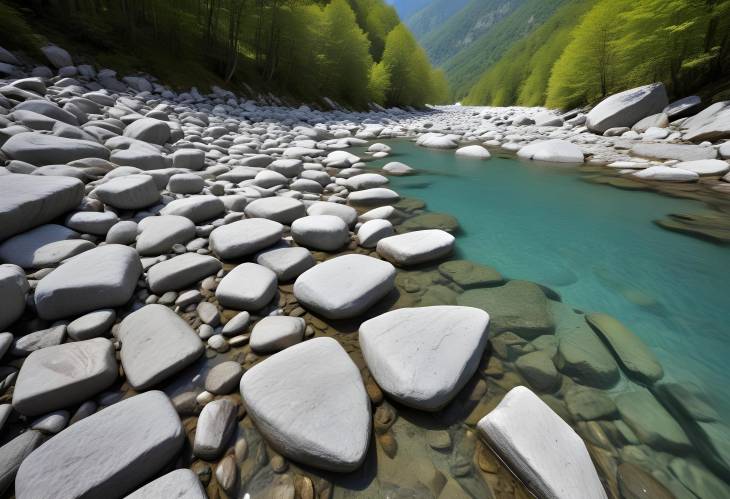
<point>432,16</point>
<point>352,51</point>
<point>465,67</point>
<point>591,48</point>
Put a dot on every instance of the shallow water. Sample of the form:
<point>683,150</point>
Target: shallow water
<point>595,245</point>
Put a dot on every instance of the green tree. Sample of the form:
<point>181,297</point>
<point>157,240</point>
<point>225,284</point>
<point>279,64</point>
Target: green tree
<point>379,84</point>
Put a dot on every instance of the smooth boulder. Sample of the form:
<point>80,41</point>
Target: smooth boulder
<point>249,286</point>
<point>423,356</point>
<point>344,286</point>
<point>320,232</point>
<point>104,277</point>
<point>244,237</point>
<point>627,108</point>
<point>107,454</point>
<point>40,149</point>
<point>181,271</point>
<point>156,343</point>
<point>310,404</point>
<point>416,247</point>
<point>130,192</point>
<point>554,151</point>
<point>540,448</point>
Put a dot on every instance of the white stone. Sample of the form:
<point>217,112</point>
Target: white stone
<point>344,286</point>
<point>131,192</point>
<point>373,197</point>
<point>103,277</point>
<point>279,209</point>
<point>91,325</point>
<point>178,484</point>
<point>347,213</point>
<point>287,263</point>
<point>397,168</point>
<point>185,183</point>
<point>108,453</point>
<point>215,427</point>
<point>249,286</point>
<point>28,201</point>
<point>667,174</point>
<point>423,356</point>
<point>476,152</point>
<point>40,149</point>
<point>383,212</point>
<point>373,231</point>
<point>156,343</point>
<point>540,448</point>
<point>627,108</point>
<point>310,404</point>
<point>158,234</point>
<point>320,232</point>
<point>97,223</point>
<point>275,333</point>
<point>366,181</point>
<point>149,130</point>
<point>416,247</point>
<point>555,150</point>
<point>60,376</point>
<point>245,237</point>
<point>196,208</point>
<point>181,271</point>
<point>704,167</point>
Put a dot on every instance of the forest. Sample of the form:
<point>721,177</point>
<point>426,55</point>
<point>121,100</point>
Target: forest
<point>592,48</point>
<point>355,52</point>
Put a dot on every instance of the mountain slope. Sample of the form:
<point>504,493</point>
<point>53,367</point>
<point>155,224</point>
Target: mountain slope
<point>406,8</point>
<point>466,66</point>
<point>432,16</point>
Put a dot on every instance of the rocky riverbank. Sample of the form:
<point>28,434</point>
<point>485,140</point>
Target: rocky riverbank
<point>208,296</point>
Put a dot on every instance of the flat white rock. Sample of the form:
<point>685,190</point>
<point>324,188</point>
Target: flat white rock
<point>540,448</point>
<point>276,332</point>
<point>279,209</point>
<point>108,454</point>
<point>156,343</point>
<point>320,232</point>
<point>704,167</point>
<point>667,174</point>
<point>103,277</point>
<point>476,152</point>
<point>423,356</point>
<point>555,150</point>
<point>416,247</point>
<point>310,404</point>
<point>244,237</point>
<point>344,286</point>
<point>178,484</point>
<point>63,375</point>
<point>249,286</point>
<point>181,271</point>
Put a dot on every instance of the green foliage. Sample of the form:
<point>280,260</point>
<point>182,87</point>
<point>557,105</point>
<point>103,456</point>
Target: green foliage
<point>591,48</point>
<point>308,49</point>
<point>412,81</point>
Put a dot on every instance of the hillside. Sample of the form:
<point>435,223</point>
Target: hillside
<point>354,52</point>
<point>465,67</point>
<point>592,48</point>
<point>432,16</point>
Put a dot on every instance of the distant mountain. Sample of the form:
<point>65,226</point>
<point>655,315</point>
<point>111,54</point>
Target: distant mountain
<point>429,19</point>
<point>406,8</point>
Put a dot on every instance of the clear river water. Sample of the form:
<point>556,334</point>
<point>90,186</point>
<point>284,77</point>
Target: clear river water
<point>595,245</point>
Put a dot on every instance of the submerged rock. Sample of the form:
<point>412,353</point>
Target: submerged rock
<point>469,274</point>
<point>651,422</point>
<point>518,306</point>
<point>631,352</point>
<point>310,404</point>
<point>540,448</point>
<point>635,483</point>
<point>423,356</point>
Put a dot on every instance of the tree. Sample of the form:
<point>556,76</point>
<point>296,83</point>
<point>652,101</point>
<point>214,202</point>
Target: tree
<point>379,84</point>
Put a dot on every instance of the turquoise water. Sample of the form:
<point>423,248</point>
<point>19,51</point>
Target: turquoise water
<point>595,245</point>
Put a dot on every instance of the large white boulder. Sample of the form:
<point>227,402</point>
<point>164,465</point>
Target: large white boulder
<point>712,123</point>
<point>44,246</point>
<point>287,263</point>
<point>438,141</point>
<point>310,404</point>
<point>555,150</point>
<point>27,201</point>
<point>667,174</point>
<point>627,108</point>
<point>40,149</point>
<point>705,167</point>
<point>366,181</point>
<point>156,343</point>
<point>149,130</point>
<point>158,234</point>
<point>104,277</point>
<point>64,375</point>
<point>347,213</point>
<point>196,208</point>
<point>475,152</point>
<point>181,271</point>
<point>279,209</point>
<point>320,232</point>
<point>107,454</point>
<point>344,286</point>
<point>413,248</point>
<point>540,448</point>
<point>373,231</point>
<point>249,286</point>
<point>244,237</point>
<point>131,192</point>
<point>276,332</point>
<point>423,356</point>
